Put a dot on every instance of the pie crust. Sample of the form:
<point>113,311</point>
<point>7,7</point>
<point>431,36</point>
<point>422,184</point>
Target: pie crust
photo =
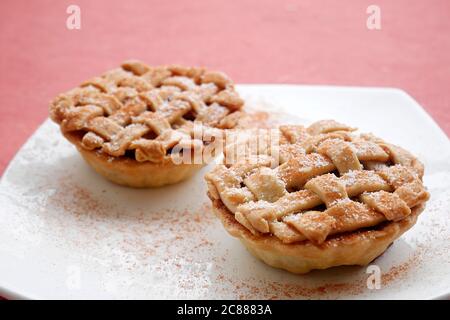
<point>333,197</point>
<point>127,122</point>
<point>131,173</point>
<point>357,248</point>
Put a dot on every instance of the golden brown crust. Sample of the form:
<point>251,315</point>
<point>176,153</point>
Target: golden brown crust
<point>355,248</point>
<point>129,172</point>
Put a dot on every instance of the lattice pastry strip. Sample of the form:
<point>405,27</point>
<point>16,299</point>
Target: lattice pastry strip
<point>79,118</point>
<point>328,188</point>
<point>390,204</point>
<point>122,140</point>
<point>326,126</point>
<point>344,216</point>
<point>341,154</point>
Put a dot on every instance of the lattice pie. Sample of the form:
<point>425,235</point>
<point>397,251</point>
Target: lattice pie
<point>126,122</point>
<point>334,197</point>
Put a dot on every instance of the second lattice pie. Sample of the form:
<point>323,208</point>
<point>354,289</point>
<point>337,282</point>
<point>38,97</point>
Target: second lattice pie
<point>332,197</point>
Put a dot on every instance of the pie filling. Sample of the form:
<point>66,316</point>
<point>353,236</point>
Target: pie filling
<point>326,180</point>
<point>142,112</point>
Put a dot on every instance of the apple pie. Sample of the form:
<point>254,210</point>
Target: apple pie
<point>127,122</point>
<point>323,196</point>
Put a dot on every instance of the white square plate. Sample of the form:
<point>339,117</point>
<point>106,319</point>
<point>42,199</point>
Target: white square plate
<point>65,232</point>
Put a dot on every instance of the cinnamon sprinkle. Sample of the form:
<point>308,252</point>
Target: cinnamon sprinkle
<point>181,246</point>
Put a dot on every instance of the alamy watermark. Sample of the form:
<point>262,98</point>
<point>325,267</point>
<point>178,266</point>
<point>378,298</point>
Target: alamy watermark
<point>374,279</point>
<point>73,21</point>
<point>373,21</point>
<point>236,145</point>
<point>73,280</point>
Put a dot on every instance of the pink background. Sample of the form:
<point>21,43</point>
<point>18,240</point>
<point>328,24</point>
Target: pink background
<point>254,41</point>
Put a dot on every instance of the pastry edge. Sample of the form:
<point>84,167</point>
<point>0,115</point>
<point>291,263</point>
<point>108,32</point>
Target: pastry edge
<point>356,248</point>
<point>131,173</point>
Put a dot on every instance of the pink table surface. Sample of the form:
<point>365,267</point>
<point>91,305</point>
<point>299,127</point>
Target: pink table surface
<point>254,41</point>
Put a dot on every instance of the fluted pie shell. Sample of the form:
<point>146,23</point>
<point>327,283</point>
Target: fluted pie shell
<point>131,173</point>
<point>355,248</point>
<point>332,198</point>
